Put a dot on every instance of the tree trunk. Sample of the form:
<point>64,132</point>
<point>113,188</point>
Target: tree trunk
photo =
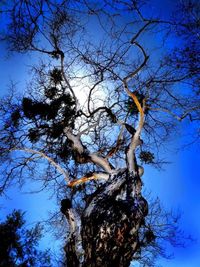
<point>111,221</point>
<point>71,253</point>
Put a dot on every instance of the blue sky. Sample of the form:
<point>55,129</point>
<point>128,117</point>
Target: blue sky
<point>178,185</point>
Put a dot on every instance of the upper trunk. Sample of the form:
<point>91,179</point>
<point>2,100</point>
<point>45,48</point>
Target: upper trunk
<point>111,221</point>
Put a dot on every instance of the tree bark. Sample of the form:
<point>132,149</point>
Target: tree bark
<point>110,223</point>
<point>71,253</point>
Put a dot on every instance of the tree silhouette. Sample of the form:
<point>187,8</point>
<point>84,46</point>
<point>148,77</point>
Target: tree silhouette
<point>92,148</point>
<point>18,245</point>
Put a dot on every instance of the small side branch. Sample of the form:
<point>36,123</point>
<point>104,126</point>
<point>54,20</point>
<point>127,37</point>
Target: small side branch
<point>179,118</point>
<point>43,155</point>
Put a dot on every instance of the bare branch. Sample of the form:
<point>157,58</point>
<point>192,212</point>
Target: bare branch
<point>43,155</point>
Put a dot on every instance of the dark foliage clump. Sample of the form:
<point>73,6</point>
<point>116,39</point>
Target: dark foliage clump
<point>65,205</point>
<point>130,129</point>
<point>27,107</point>
<point>33,135</point>
<point>63,105</point>
<point>56,75</point>
<point>56,130</point>
<point>65,152</point>
<point>15,117</point>
<point>149,236</point>
<point>130,104</point>
<point>80,158</point>
<point>146,157</point>
<point>32,108</point>
<point>51,117</point>
<point>51,92</point>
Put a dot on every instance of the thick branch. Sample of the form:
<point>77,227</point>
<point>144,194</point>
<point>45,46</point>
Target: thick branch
<point>89,157</point>
<point>92,176</point>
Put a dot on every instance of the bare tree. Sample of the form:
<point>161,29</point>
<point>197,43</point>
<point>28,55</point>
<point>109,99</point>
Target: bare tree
<point>100,100</point>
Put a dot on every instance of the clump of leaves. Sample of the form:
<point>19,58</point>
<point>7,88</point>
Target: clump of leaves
<point>56,75</point>
<point>33,108</point>
<point>146,157</point>
<point>33,135</point>
<point>15,117</point>
<point>26,107</point>
<point>130,104</point>
<point>149,236</point>
<point>51,117</point>
<point>51,92</point>
<point>65,152</point>
<point>56,130</point>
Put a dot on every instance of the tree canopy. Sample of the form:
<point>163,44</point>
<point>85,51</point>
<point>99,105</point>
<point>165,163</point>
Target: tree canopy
<point>110,87</point>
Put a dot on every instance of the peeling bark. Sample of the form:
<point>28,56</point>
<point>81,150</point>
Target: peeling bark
<point>71,252</point>
<point>110,223</point>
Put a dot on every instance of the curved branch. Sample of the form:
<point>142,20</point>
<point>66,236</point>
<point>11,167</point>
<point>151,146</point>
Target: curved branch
<point>133,73</point>
<point>82,150</point>
<point>131,94</point>
<point>135,141</point>
<point>140,31</point>
<point>43,155</point>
